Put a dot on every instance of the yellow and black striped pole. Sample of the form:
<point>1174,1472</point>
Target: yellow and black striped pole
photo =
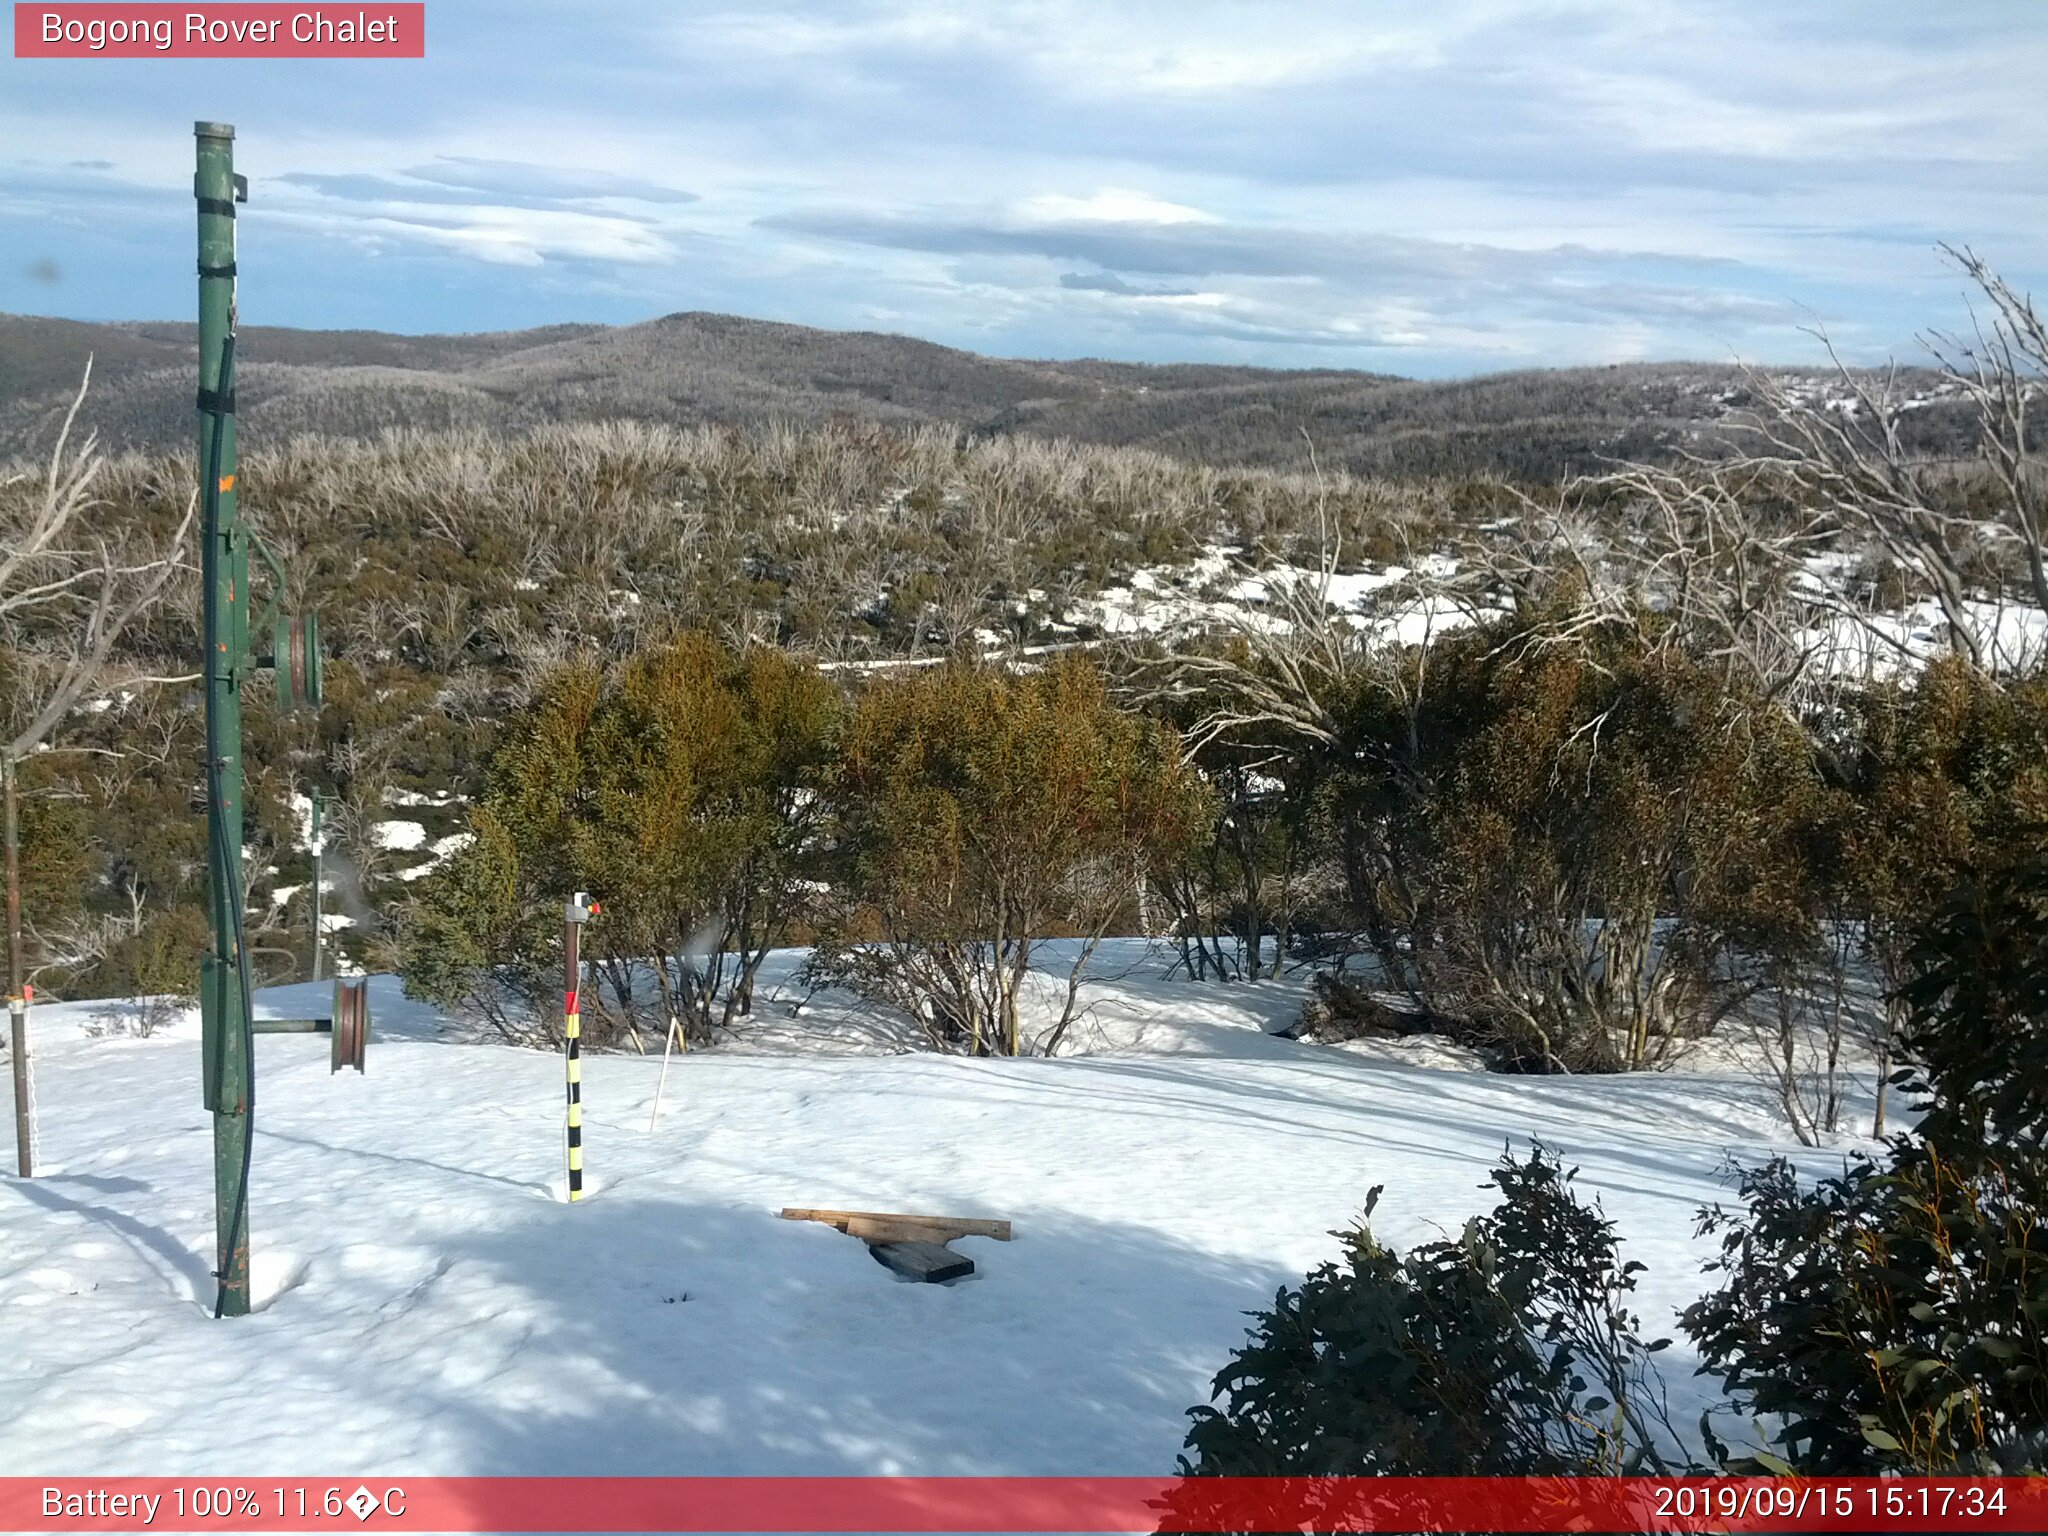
<point>577,911</point>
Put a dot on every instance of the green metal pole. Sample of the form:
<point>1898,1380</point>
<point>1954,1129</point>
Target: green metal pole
<point>226,624</point>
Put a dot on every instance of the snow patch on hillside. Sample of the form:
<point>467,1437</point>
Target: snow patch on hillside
<point>401,835</point>
<point>1218,589</point>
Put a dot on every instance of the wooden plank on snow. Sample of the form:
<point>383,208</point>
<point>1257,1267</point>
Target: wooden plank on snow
<point>896,1226</point>
<point>929,1262</point>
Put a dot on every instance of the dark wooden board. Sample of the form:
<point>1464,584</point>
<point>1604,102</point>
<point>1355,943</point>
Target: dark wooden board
<point>931,1262</point>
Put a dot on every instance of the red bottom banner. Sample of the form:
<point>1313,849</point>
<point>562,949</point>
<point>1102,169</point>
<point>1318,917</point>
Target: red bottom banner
<point>1033,1504</point>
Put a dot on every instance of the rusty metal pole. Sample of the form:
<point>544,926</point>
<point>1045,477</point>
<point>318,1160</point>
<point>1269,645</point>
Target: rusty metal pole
<point>17,984</point>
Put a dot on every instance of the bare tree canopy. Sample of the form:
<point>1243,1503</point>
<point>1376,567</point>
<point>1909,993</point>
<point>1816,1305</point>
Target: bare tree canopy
<point>1848,458</point>
<point>68,591</point>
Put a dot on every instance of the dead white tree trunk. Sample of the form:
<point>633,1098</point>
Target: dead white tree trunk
<point>68,591</point>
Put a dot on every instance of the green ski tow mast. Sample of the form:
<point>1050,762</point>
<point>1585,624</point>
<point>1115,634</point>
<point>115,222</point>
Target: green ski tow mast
<point>227,1023</point>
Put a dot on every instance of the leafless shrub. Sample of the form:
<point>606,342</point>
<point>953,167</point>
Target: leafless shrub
<point>1850,458</point>
<point>71,584</point>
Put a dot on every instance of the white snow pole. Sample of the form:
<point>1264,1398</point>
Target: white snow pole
<point>576,911</point>
<point>319,840</point>
<point>675,1028</point>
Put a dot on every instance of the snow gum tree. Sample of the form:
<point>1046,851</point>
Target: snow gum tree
<point>977,812</point>
<point>679,788</point>
<point>1566,850</point>
<point>1244,878</point>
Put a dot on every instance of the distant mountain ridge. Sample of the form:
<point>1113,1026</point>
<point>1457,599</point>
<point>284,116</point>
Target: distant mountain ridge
<point>696,367</point>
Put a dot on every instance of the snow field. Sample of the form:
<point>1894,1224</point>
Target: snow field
<point>428,1304</point>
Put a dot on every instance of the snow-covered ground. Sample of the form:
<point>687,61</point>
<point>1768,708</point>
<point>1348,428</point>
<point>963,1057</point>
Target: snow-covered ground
<point>429,1304</point>
<point>1217,588</point>
<point>1875,647</point>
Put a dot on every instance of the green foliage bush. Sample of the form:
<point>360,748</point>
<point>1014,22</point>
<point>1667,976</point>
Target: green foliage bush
<point>1886,1319</point>
<point>1978,1035</point>
<point>679,788</point>
<point>711,800</point>
<point>1895,1317</point>
<point>478,934</point>
<point>113,855</point>
<point>1563,851</point>
<point>1509,1351</point>
<point>55,850</point>
<point>160,959</point>
<point>1942,777</point>
<point>976,812</point>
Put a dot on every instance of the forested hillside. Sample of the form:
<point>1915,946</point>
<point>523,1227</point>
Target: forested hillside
<point>689,369</point>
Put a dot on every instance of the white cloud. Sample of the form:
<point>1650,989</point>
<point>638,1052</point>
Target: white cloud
<point>517,237</point>
<point>1111,205</point>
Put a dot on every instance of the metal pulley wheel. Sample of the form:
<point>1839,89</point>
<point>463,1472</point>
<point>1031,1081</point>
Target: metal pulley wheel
<point>295,656</point>
<point>351,1024</point>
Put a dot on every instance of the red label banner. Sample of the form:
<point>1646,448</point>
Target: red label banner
<point>1025,1504</point>
<point>252,31</point>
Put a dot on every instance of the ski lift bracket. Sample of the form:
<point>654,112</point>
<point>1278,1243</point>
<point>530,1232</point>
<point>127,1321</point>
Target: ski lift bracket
<point>295,658</point>
<point>347,1028</point>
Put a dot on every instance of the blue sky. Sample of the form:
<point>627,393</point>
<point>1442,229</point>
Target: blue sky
<point>1428,189</point>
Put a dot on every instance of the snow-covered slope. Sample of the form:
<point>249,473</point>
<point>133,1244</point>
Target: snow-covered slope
<point>430,1305</point>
